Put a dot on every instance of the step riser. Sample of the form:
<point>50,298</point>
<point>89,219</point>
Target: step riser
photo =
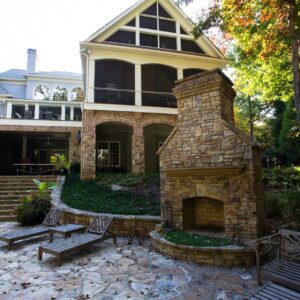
<point>10,202</point>
<point>9,207</point>
<point>8,219</point>
<point>7,213</point>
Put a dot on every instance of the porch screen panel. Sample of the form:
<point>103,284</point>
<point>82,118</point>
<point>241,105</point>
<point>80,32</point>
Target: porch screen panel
<point>157,84</point>
<point>114,82</point>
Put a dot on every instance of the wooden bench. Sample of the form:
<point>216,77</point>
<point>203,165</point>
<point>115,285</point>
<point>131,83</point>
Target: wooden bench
<point>272,291</point>
<point>96,233</point>
<point>51,219</point>
<point>284,267</point>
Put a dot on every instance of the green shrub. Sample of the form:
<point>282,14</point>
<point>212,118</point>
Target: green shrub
<point>284,204</point>
<point>34,208</point>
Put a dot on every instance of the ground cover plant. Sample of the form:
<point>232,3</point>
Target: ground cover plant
<point>190,239</point>
<point>138,195</point>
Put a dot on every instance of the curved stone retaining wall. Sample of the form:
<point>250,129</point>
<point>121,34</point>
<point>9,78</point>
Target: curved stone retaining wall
<point>121,226</point>
<point>215,256</point>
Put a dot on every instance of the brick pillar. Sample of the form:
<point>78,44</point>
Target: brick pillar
<point>88,147</point>
<point>138,155</point>
<point>74,147</point>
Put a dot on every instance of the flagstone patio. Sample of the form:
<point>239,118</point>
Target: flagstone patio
<point>130,271</point>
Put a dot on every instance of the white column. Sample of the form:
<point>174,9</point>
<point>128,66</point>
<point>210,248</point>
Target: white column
<point>71,113</point>
<point>178,40</point>
<point>24,146</point>
<point>63,113</point>
<point>8,110</point>
<point>26,106</point>
<point>138,85</point>
<point>179,74</point>
<point>36,111</point>
<point>91,81</point>
<point>137,30</point>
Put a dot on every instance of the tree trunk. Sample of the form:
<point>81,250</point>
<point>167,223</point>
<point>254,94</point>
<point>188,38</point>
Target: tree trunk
<point>293,14</point>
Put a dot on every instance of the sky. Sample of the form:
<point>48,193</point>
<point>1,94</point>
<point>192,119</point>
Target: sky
<point>55,27</point>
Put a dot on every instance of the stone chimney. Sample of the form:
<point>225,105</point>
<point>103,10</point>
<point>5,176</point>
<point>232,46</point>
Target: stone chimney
<point>211,174</point>
<point>31,60</point>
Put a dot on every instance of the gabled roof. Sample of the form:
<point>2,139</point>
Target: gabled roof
<point>22,74</point>
<point>174,10</point>
<point>13,74</point>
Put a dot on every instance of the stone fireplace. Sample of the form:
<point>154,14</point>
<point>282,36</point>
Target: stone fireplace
<point>210,170</point>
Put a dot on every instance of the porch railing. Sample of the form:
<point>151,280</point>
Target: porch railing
<point>40,110</point>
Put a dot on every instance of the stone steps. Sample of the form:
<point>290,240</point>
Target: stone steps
<point>13,189</point>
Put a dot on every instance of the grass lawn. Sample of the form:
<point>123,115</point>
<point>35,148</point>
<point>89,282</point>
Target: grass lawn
<point>189,239</point>
<point>97,196</point>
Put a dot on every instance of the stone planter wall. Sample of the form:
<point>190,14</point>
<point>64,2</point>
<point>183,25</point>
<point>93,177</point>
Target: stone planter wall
<point>228,256</point>
<point>121,225</point>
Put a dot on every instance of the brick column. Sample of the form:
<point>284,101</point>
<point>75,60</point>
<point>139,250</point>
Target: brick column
<point>138,157</point>
<point>88,147</point>
<point>74,147</point>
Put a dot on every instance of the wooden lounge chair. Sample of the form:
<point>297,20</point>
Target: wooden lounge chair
<point>51,220</point>
<point>284,269</point>
<point>96,233</point>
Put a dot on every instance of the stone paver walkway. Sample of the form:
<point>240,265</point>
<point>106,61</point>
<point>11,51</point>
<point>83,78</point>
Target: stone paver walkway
<point>105,272</point>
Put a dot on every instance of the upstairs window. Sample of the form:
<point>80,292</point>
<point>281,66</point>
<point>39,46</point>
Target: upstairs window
<point>152,10</point>
<point>41,92</point>
<point>148,23</point>
<point>167,25</point>
<point>131,23</point>
<point>149,40</point>
<point>122,37</point>
<point>77,94</point>
<point>190,46</point>
<point>168,43</point>
<point>60,94</point>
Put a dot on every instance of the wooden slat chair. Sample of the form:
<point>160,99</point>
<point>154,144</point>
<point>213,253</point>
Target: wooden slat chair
<point>96,233</point>
<point>284,269</point>
<point>50,220</point>
<point>272,291</point>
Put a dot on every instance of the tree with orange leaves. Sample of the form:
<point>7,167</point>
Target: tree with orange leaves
<point>265,51</point>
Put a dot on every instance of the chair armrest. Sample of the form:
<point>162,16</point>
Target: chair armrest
<point>265,245</point>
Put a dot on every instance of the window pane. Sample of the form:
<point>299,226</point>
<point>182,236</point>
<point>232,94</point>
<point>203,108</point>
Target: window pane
<point>182,31</point>
<point>60,94</point>
<point>168,43</point>
<point>131,23</point>
<point>163,12</point>
<point>41,92</point>
<point>122,37</point>
<point>190,46</point>
<point>149,23</point>
<point>166,25</point>
<point>103,154</point>
<point>114,154</point>
<point>152,10</point>
<point>148,40</point>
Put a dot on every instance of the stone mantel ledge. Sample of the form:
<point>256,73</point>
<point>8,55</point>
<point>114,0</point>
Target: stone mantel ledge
<point>56,202</point>
<point>229,256</point>
<point>212,171</point>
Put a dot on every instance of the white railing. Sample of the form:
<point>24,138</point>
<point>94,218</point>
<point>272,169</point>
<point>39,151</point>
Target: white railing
<point>40,110</point>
